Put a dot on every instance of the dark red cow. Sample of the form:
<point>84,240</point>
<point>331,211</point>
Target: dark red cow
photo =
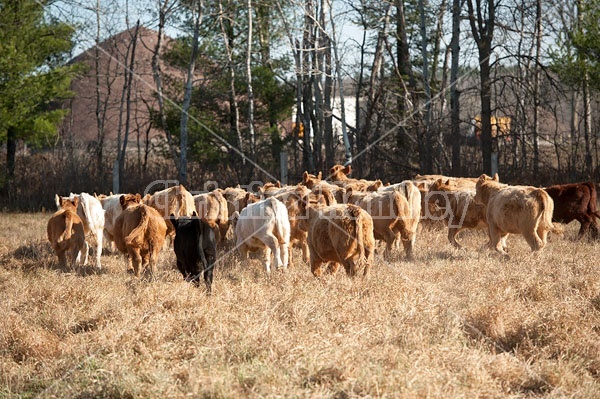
<point>576,201</point>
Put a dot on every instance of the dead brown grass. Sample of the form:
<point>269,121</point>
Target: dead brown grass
<point>451,324</point>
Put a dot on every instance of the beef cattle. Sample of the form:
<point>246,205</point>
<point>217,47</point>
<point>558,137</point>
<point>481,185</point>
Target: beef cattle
<point>412,195</point>
<point>237,199</point>
<point>212,207</point>
<point>576,201</point>
<point>392,217</point>
<point>460,210</point>
<point>195,248</point>
<point>91,213</point>
<point>338,174</point>
<point>174,200</point>
<point>112,209</point>
<point>316,184</point>
<point>264,225</point>
<point>522,210</point>
<point>65,233</point>
<point>139,232</point>
<point>339,234</point>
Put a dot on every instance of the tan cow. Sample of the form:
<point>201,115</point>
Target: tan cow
<point>65,232</point>
<point>316,184</point>
<point>391,215</point>
<point>237,199</point>
<point>212,207</point>
<point>412,218</point>
<point>338,174</point>
<point>140,232</point>
<point>461,211</point>
<point>341,233</point>
<point>174,200</point>
<point>522,210</point>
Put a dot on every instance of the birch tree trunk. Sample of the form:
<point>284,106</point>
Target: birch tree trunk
<point>250,91</point>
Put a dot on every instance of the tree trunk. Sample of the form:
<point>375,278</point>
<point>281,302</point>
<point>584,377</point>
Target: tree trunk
<point>536,89</point>
<point>428,166</point>
<point>250,93</point>
<point>187,99</point>
<point>454,92</point>
<point>128,103</point>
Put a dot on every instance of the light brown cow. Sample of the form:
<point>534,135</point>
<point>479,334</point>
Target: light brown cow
<point>140,232</point>
<point>338,174</point>
<point>212,207</point>
<point>391,215</point>
<point>412,218</point>
<point>522,210</point>
<point>456,182</point>
<point>174,200</point>
<point>341,233</point>
<point>237,199</point>
<point>65,232</point>
<point>461,211</point>
<point>316,184</point>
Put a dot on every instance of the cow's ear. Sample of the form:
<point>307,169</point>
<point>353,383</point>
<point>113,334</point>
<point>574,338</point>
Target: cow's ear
<point>75,202</point>
<point>447,182</point>
<point>122,200</point>
<point>58,200</point>
<point>138,197</point>
<point>305,176</point>
<point>421,186</point>
<point>438,182</point>
<point>348,170</point>
<point>496,177</point>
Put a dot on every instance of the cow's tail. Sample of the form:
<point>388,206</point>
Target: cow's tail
<point>87,213</point>
<point>592,205</point>
<point>135,238</point>
<point>356,214</point>
<point>66,235</point>
<point>413,197</point>
<point>544,216</point>
<point>279,230</point>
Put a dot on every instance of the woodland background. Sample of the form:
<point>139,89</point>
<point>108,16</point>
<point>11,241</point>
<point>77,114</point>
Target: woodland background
<point>199,90</point>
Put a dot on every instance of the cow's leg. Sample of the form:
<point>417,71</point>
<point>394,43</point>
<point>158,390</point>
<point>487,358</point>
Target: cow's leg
<point>273,245</point>
<point>585,226</point>
<point>534,241</point>
<point>243,250</point>
<point>389,237</point>
<point>136,260</point>
<point>305,250</point>
<point>409,245</point>
<point>316,266</point>
<point>285,248</point>
<point>542,233</point>
<point>594,228</point>
<point>496,237</point>
<point>62,258</point>
<point>267,252</point>
<point>452,234</point>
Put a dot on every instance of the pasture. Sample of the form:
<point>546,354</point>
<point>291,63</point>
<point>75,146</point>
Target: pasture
<point>451,324</point>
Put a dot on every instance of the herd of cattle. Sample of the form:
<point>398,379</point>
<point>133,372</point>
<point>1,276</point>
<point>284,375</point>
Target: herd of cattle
<point>334,221</point>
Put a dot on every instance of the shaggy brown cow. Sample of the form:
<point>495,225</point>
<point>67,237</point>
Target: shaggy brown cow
<point>522,210</point>
<point>576,201</point>
<point>237,199</point>
<point>212,207</point>
<point>316,184</point>
<point>174,200</point>
<point>338,174</point>
<point>337,234</point>
<point>65,232</point>
<point>461,211</point>
<point>140,232</point>
<point>392,217</point>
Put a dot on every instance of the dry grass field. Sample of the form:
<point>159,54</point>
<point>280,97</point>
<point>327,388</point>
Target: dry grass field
<point>452,324</point>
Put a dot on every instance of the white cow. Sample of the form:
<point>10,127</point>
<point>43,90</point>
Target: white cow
<point>264,225</point>
<point>91,213</point>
